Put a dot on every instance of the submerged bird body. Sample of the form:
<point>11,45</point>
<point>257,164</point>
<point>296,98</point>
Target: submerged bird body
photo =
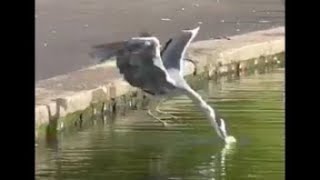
<point>159,73</point>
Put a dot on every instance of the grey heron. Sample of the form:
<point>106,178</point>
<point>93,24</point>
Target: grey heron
<point>159,73</point>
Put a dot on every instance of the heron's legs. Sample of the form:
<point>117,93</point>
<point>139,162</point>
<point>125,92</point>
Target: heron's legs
<point>152,107</point>
<point>157,118</point>
<point>163,112</point>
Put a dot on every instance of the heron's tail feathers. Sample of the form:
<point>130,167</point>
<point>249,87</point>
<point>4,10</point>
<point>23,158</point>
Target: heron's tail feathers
<point>104,52</point>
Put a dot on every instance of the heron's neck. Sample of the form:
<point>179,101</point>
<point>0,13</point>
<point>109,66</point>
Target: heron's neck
<point>211,115</point>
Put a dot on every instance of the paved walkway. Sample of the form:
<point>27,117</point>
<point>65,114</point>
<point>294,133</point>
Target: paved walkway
<point>65,30</point>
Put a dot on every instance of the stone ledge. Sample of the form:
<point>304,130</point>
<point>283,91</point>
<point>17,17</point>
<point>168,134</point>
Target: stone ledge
<point>62,95</point>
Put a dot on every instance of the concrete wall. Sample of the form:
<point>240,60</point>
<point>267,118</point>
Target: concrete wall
<point>72,93</point>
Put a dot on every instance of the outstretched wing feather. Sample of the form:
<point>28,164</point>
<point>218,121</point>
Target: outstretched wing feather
<point>174,51</point>
<point>136,61</point>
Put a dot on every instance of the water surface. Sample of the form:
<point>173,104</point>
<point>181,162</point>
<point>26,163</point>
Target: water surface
<point>253,108</point>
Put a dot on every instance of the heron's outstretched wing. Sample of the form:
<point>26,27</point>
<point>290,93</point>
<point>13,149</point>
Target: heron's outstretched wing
<point>148,34</point>
<point>139,61</point>
<point>104,52</point>
<point>174,51</point>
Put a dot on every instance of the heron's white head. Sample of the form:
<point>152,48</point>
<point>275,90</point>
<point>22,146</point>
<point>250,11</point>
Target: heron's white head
<point>227,139</point>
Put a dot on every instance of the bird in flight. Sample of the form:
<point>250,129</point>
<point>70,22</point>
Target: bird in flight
<point>159,72</point>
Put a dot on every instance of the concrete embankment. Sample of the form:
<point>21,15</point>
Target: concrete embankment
<point>68,100</point>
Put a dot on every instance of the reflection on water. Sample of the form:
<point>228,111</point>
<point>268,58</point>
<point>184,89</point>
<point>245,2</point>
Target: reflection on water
<point>252,107</point>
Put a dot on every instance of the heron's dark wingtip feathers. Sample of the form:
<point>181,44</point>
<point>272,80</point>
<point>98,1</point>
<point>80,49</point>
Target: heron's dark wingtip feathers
<point>166,46</point>
<point>103,52</point>
<point>145,34</point>
<point>113,45</point>
<point>100,58</point>
<point>92,55</point>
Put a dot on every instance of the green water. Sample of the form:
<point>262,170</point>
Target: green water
<point>253,108</point>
